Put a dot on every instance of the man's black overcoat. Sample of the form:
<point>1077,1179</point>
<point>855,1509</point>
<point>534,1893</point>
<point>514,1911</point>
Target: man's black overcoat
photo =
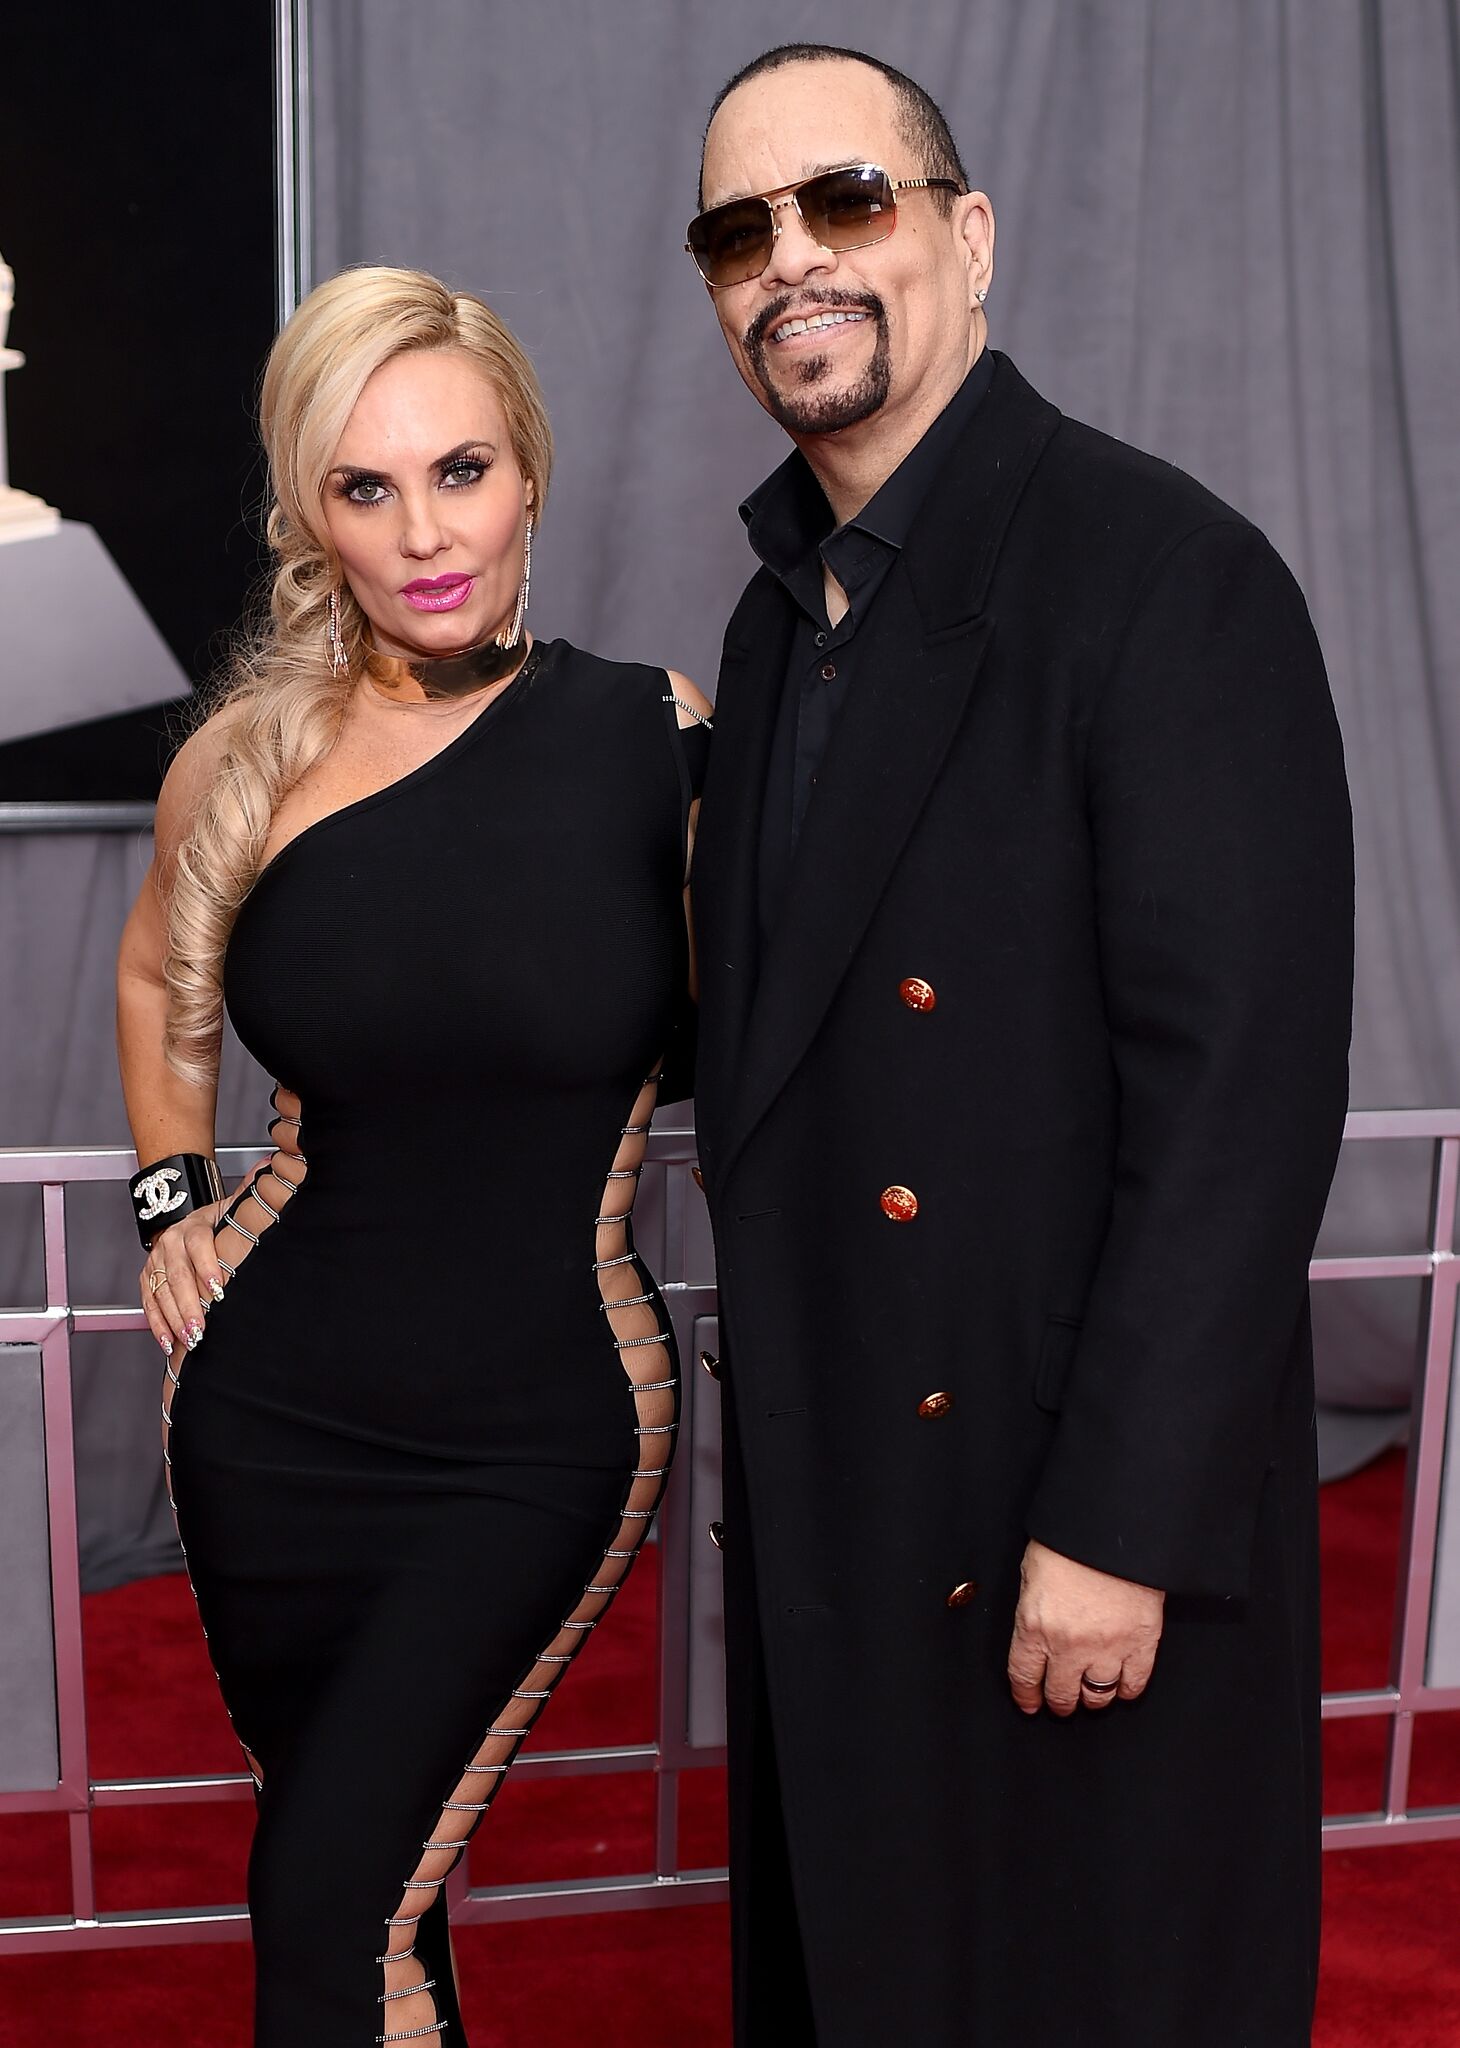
<point>1089,788</point>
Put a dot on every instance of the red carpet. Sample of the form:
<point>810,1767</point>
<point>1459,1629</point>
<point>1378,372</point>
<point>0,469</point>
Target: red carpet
<point>655,1979</point>
<point>1391,1920</point>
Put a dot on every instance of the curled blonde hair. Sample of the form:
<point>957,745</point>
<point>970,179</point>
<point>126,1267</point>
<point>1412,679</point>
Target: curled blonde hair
<point>282,707</point>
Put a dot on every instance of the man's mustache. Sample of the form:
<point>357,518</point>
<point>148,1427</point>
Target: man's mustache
<point>770,316</point>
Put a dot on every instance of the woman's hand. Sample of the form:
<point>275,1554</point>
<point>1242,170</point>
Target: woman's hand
<point>187,1254</point>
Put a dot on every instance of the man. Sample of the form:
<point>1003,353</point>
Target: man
<point>1023,895</point>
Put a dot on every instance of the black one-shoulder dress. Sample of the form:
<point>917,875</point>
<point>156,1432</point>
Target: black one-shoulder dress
<point>416,1452</point>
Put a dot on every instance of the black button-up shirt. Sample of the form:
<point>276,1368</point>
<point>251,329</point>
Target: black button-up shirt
<point>792,529</point>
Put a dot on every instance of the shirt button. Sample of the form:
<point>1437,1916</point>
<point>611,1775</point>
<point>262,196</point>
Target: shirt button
<point>961,1595</point>
<point>900,1203</point>
<point>828,672</point>
<point>821,639</point>
<point>934,1404</point>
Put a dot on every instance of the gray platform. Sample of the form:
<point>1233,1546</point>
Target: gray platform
<point>75,642</point>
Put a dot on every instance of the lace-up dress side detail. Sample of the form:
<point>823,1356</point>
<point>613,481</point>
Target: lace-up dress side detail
<point>428,1427</point>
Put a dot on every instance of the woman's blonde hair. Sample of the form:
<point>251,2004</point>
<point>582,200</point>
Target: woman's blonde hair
<point>282,706</point>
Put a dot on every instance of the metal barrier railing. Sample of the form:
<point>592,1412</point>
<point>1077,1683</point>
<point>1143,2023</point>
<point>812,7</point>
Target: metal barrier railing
<point>1408,1692</point>
<point>77,1795</point>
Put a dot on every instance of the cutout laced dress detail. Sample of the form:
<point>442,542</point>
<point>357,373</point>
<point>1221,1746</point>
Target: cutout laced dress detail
<point>430,1423</point>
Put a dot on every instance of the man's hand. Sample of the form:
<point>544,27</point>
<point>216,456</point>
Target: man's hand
<point>1076,1628</point>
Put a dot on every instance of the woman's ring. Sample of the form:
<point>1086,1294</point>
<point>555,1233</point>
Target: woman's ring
<point>156,1277</point>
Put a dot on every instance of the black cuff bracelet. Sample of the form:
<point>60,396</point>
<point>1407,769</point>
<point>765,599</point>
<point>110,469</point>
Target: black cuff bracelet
<point>170,1189</point>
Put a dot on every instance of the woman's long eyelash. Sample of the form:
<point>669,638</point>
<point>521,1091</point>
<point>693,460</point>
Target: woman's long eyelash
<point>350,482</point>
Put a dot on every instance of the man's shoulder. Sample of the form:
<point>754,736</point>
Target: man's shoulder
<point>1121,529</point>
<point>1081,487</point>
<point>1121,498</point>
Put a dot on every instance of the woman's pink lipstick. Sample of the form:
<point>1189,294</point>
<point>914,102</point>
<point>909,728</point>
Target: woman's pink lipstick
<point>438,593</point>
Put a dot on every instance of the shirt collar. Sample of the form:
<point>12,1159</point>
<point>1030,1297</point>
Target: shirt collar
<point>788,519</point>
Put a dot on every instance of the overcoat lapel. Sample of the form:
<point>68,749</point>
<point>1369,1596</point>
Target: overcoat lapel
<point>890,740</point>
<point>919,659</point>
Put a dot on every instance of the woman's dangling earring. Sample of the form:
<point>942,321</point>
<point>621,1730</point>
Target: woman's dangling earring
<point>334,640</point>
<point>520,614</point>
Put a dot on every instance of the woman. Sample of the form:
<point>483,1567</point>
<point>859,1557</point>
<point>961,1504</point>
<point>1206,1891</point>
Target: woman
<point>437,868</point>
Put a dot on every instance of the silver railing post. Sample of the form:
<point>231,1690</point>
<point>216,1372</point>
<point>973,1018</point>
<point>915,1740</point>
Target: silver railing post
<point>672,1627</point>
<point>1423,1479</point>
<point>60,1448</point>
<point>293,208</point>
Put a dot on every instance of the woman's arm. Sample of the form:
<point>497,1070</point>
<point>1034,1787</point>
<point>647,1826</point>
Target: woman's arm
<point>166,1113</point>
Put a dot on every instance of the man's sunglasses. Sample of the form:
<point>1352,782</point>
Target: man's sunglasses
<point>845,209</point>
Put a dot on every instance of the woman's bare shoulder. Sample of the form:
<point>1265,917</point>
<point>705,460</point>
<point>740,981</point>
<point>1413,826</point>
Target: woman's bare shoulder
<point>692,706</point>
<point>191,773</point>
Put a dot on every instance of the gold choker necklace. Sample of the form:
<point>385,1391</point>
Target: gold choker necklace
<point>443,677</point>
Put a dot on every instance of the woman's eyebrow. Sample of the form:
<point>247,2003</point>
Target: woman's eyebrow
<point>442,461</point>
<point>463,448</point>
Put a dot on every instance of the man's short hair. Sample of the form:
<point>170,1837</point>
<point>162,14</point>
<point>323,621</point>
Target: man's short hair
<point>922,121</point>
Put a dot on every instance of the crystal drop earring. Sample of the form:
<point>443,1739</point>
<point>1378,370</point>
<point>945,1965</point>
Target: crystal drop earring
<point>512,638</point>
<point>333,639</point>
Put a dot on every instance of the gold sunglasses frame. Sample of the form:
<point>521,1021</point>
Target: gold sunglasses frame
<point>781,196</point>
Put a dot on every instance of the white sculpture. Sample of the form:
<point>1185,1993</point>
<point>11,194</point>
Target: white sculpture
<point>22,516</point>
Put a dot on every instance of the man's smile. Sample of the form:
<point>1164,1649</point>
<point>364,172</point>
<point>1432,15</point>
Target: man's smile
<point>815,323</point>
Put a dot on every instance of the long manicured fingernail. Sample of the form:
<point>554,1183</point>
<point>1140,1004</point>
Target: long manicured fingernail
<point>166,1343</point>
<point>215,1288</point>
<point>195,1335</point>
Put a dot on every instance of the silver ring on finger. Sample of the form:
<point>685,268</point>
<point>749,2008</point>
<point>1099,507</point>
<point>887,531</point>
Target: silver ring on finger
<point>1102,1688</point>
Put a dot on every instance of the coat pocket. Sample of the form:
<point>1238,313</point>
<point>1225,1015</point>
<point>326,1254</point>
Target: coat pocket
<point>1061,1335</point>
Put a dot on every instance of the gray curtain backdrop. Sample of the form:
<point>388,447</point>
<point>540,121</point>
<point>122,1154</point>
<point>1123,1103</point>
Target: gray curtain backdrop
<point>1228,233</point>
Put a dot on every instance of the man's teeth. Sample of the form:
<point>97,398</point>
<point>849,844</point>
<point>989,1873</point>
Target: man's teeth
<point>790,327</point>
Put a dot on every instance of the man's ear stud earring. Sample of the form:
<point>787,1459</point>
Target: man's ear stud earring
<point>981,293</point>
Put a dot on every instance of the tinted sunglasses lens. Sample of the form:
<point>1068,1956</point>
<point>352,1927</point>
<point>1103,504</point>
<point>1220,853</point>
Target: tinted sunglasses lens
<point>848,209</point>
<point>732,243</point>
